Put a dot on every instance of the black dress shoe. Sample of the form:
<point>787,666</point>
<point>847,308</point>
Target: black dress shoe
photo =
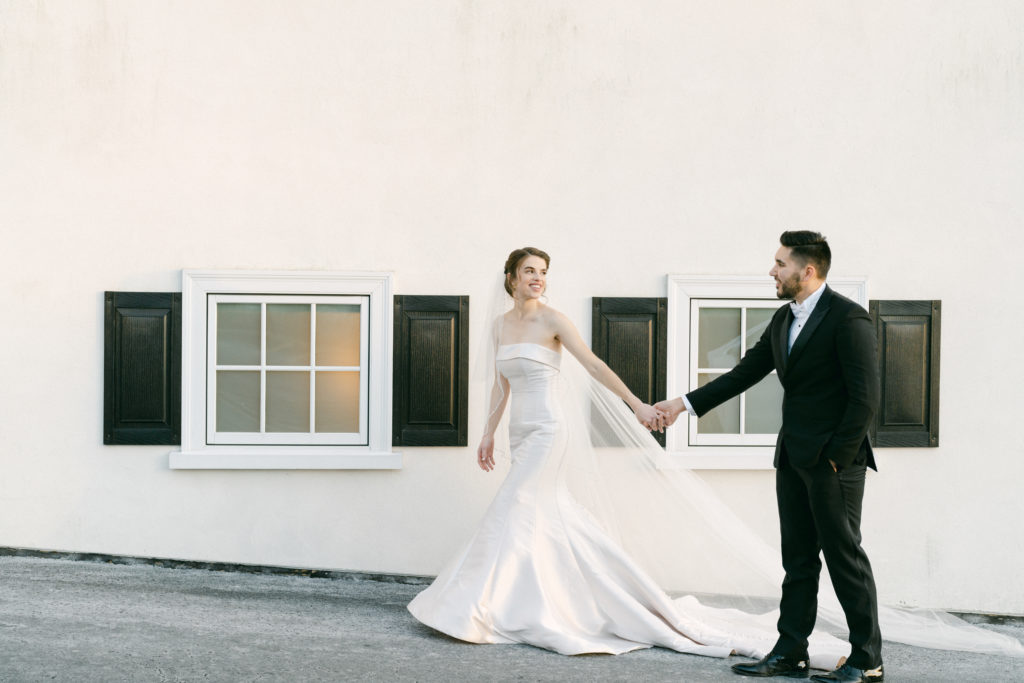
<point>774,665</point>
<point>847,673</point>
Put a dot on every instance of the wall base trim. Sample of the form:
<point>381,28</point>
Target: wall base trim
<point>169,563</point>
<point>334,574</point>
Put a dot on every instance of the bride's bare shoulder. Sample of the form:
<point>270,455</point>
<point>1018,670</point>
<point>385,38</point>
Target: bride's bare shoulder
<point>503,318</point>
<point>554,317</point>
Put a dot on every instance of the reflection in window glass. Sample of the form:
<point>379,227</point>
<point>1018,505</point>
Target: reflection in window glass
<point>719,336</point>
<point>288,334</point>
<point>238,401</point>
<point>287,401</point>
<point>758,320</point>
<point>724,419</point>
<point>238,334</point>
<point>337,334</point>
<point>337,401</point>
<point>763,413</point>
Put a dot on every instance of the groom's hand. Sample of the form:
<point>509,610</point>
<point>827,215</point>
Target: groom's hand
<point>671,408</point>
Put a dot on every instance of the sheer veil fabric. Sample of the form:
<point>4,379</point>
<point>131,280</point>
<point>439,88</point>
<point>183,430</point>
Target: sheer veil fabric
<point>676,528</point>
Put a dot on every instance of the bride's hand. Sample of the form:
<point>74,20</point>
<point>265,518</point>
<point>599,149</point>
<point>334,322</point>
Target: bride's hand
<point>485,454</point>
<point>650,417</point>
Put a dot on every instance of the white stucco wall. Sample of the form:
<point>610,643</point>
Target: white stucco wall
<point>137,139</point>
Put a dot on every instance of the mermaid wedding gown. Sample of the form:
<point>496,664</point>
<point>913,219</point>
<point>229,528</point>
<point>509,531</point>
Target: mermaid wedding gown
<point>540,570</point>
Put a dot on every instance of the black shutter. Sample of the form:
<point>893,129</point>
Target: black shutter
<point>908,364</point>
<point>431,380</point>
<point>142,368</point>
<point>630,335</point>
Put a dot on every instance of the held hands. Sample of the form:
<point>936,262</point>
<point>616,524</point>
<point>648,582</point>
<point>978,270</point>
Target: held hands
<point>650,417</point>
<point>485,453</point>
<point>671,409</point>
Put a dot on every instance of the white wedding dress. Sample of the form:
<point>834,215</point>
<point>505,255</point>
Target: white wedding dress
<point>541,570</point>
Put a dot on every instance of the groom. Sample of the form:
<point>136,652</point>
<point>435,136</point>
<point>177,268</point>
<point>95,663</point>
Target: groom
<point>823,347</point>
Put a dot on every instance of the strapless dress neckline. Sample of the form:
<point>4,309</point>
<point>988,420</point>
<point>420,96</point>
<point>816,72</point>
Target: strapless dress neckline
<point>541,346</point>
<point>530,350</point>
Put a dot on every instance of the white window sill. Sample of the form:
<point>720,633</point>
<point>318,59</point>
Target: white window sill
<point>283,459</point>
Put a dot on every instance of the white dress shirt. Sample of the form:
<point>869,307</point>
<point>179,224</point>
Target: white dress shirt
<point>801,312</point>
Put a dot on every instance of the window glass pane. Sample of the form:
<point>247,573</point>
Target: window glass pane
<point>337,334</point>
<point>288,402</point>
<point>238,400</point>
<point>288,335</point>
<point>725,419</point>
<point>238,334</point>
<point>337,401</point>
<point>764,407</point>
<point>718,344</point>
<point>757,323</point>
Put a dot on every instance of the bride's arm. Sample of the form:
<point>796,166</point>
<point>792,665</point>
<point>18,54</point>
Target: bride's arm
<point>496,404</point>
<point>499,398</point>
<point>570,337</point>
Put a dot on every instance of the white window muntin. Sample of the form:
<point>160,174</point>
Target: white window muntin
<point>697,438</point>
<point>286,438</point>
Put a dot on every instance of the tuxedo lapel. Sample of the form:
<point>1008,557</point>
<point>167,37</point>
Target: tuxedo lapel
<point>782,341</point>
<point>820,310</point>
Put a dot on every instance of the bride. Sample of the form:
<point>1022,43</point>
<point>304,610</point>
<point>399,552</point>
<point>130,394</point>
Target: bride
<point>546,570</point>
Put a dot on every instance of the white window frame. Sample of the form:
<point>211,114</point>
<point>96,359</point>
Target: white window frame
<point>198,286</point>
<point>742,439</point>
<point>359,437</point>
<point>682,290</point>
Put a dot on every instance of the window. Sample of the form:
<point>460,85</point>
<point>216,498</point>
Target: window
<point>712,322</point>
<point>724,330</point>
<point>286,370</point>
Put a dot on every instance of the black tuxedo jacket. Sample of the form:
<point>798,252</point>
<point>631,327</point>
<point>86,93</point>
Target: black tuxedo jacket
<point>830,380</point>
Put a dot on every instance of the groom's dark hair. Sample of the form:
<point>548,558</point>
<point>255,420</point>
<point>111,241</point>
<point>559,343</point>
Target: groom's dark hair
<point>809,247</point>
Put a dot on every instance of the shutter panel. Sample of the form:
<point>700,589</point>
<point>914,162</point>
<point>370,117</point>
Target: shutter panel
<point>431,371</point>
<point>908,365</point>
<point>142,368</point>
<point>630,335</point>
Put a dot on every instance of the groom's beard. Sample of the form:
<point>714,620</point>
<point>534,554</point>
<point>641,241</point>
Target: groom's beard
<point>790,288</point>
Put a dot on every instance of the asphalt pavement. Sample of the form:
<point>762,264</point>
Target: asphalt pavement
<point>66,620</point>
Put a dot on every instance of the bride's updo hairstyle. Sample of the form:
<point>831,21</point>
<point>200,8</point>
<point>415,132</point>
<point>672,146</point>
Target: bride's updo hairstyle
<point>517,257</point>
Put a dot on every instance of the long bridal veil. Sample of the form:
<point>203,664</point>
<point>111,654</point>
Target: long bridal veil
<point>675,525</point>
<point>681,532</point>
